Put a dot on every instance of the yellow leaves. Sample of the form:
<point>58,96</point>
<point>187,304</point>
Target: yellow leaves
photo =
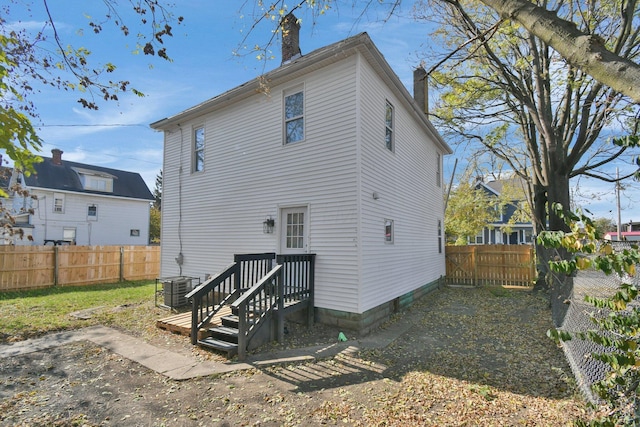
<point>583,263</point>
<point>630,269</point>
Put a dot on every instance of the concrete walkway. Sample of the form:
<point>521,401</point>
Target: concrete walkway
<point>180,367</point>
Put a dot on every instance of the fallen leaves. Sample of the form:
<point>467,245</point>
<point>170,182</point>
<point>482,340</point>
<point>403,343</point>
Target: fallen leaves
<point>469,357</point>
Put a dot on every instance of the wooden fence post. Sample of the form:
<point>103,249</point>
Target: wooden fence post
<point>55,265</point>
<point>122,263</point>
<point>474,260</point>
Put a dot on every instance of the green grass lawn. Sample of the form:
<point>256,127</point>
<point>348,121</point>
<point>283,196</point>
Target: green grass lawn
<point>27,314</point>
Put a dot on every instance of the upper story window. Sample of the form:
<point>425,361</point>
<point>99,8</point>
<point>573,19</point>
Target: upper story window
<point>294,117</point>
<point>95,180</point>
<point>58,202</point>
<point>388,120</point>
<point>198,149</point>
<point>438,170</point>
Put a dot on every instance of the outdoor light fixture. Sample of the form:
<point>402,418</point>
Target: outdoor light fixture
<point>267,225</point>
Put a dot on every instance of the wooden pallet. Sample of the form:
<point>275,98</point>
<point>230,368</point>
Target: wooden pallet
<point>181,323</point>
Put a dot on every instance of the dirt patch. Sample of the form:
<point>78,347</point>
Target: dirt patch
<point>467,358</point>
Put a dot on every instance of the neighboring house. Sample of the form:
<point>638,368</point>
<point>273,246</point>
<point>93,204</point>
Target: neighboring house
<point>334,157</point>
<point>630,236</point>
<point>80,204</point>
<point>509,229</point>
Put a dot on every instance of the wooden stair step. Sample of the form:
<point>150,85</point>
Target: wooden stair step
<point>229,348</point>
<point>224,333</point>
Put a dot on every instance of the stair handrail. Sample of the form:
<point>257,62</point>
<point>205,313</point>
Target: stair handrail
<point>259,301</point>
<point>204,306</point>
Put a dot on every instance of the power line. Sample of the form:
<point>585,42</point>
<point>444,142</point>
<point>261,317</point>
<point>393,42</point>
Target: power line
<point>98,125</point>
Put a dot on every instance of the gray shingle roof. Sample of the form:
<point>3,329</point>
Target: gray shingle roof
<point>64,177</point>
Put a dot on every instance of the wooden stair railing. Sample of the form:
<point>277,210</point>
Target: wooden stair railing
<point>256,306</point>
<point>208,298</point>
<point>256,293</point>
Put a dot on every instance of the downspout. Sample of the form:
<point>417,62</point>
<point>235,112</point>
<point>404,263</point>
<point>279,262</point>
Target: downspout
<point>180,257</point>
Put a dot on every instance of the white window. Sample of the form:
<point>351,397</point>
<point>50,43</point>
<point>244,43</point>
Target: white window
<point>198,149</point>
<point>388,231</point>
<point>438,170</point>
<point>295,230</point>
<point>92,212</point>
<point>134,232</point>
<point>388,119</point>
<point>294,117</point>
<point>58,202</point>
<point>439,236</point>
<point>69,234</point>
<point>95,180</point>
<point>477,240</point>
<point>99,184</point>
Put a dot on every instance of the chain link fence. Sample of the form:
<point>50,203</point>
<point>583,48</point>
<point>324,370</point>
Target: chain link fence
<point>571,313</point>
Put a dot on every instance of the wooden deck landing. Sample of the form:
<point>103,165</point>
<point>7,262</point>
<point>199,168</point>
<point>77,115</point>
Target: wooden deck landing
<point>181,323</point>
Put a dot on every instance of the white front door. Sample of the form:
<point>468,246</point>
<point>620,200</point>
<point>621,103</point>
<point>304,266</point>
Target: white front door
<point>294,230</point>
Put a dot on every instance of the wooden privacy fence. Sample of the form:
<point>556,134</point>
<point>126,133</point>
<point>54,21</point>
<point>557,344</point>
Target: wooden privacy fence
<point>31,267</point>
<point>504,265</point>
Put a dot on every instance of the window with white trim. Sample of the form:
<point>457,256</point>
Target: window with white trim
<point>477,240</point>
<point>92,212</point>
<point>198,149</point>
<point>388,123</point>
<point>293,117</point>
<point>439,236</point>
<point>388,231</point>
<point>438,170</point>
<point>58,202</point>
<point>69,234</point>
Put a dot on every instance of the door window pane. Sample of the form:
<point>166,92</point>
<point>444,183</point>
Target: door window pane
<point>295,230</point>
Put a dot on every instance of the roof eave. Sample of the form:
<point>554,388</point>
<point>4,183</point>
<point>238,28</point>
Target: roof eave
<point>330,53</point>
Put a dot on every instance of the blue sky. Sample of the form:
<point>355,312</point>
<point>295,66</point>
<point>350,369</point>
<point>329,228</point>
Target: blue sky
<point>118,135</point>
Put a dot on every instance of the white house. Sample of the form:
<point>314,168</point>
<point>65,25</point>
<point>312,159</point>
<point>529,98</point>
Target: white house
<point>81,204</point>
<point>327,154</point>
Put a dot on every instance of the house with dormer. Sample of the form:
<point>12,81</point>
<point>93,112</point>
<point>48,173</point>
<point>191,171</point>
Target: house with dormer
<point>512,224</point>
<point>79,204</point>
<point>335,159</point>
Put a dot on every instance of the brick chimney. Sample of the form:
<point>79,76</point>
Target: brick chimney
<point>421,89</point>
<point>290,38</point>
<point>56,156</point>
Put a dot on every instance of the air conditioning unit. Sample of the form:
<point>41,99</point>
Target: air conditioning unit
<point>175,290</point>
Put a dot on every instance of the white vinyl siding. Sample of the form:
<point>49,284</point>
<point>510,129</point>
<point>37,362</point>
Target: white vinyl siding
<point>256,176</point>
<point>407,193</point>
<point>111,225</point>
<point>210,216</point>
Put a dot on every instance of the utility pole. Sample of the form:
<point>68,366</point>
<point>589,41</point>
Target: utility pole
<point>618,204</point>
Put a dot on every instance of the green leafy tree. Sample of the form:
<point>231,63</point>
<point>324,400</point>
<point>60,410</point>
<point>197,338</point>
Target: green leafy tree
<point>516,79</point>
<point>469,211</point>
<point>603,225</point>
<point>155,220</point>
<point>157,192</point>
<point>26,62</point>
<point>503,89</point>
<point>619,332</point>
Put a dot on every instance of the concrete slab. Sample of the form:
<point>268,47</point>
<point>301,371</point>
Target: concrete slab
<point>180,367</point>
